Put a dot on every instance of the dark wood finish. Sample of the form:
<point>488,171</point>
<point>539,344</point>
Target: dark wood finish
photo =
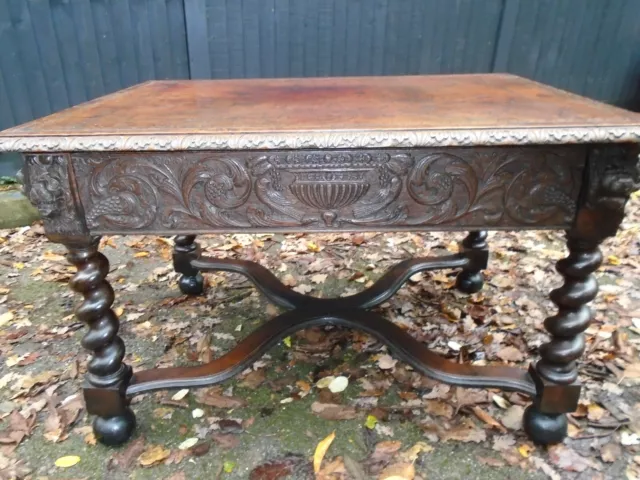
<point>383,289</point>
<point>613,173</point>
<point>333,154</point>
<point>410,189</point>
<point>107,376</point>
<point>191,282</point>
<point>178,107</point>
<point>403,345</point>
<point>471,280</point>
<point>50,186</point>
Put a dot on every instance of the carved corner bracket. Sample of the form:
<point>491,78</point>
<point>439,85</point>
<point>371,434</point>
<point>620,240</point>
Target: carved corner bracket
<point>612,175</point>
<point>48,184</point>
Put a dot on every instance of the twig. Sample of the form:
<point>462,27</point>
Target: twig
<point>615,426</point>
<point>600,435</point>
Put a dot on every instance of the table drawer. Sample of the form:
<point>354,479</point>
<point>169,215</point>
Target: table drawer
<point>378,189</point>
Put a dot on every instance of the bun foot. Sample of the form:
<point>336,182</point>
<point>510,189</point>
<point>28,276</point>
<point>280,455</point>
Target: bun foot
<point>469,282</point>
<point>545,428</point>
<point>192,285</point>
<point>114,431</point>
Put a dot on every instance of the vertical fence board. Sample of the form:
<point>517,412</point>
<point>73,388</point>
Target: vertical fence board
<point>49,53</point>
<point>28,57</point>
<point>7,119</point>
<point>57,53</point>
<point>590,48</point>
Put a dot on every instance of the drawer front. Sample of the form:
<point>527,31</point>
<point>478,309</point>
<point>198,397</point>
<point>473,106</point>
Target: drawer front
<point>294,191</point>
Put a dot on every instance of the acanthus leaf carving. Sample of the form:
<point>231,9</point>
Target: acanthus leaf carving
<point>307,191</point>
<point>613,175</point>
<point>48,186</point>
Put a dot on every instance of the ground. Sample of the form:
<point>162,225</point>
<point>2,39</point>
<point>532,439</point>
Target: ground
<point>273,419</point>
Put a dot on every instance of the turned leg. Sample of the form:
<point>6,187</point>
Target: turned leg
<point>471,281</point>
<point>185,248</point>
<point>556,372</point>
<point>107,376</point>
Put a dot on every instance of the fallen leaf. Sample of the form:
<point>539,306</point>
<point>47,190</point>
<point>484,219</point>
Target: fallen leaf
<point>595,412</point>
<point>153,454</point>
<point>228,466</point>
<point>488,419</point>
<point>197,413</point>
<point>319,278</point>
<point>282,467</point>
<point>226,440</point>
<point>398,471</point>
<point>500,401</point>
<point>411,455</point>
<point>54,257</point>
<point>371,422</point>
<point>324,382</point>
<point>188,443</point>
<point>334,469</point>
<point>610,452</point>
<point>124,459</point>
<point>5,318</point>
<point>439,408</point>
<point>568,459</point>
<point>613,260</point>
<point>289,280</point>
<point>333,411</point>
<point>67,461</point>
<point>628,439</point>
<point>180,394</point>
<point>546,468</point>
<point>464,432</point>
<point>253,379</point>
<point>504,443</point>
<point>338,384</point>
<point>386,362</point>
<point>321,450</point>
<point>525,450</point>
<point>510,354</point>
<point>214,399</point>
<point>303,289</point>
<point>313,247</point>
<point>512,418</point>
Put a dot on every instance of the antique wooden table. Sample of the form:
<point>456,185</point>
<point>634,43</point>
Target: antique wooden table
<point>421,153</point>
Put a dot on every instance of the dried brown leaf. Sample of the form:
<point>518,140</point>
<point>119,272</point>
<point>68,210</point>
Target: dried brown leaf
<point>510,354</point>
<point>464,432</point>
<point>153,454</point>
<point>226,440</point>
<point>488,419</point>
<point>214,399</point>
<point>568,459</point>
<point>610,452</point>
<point>333,411</point>
<point>282,467</point>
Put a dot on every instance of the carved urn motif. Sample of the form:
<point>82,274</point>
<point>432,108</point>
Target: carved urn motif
<point>329,189</point>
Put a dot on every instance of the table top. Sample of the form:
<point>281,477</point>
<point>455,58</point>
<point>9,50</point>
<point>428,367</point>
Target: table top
<point>362,112</point>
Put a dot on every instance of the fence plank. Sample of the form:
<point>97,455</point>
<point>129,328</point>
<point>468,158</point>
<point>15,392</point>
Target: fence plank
<point>57,53</point>
<point>591,48</point>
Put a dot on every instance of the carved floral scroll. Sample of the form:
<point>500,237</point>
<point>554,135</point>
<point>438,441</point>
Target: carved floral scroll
<point>324,190</point>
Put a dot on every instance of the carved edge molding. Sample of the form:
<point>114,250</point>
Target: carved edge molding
<point>347,139</point>
<point>49,187</point>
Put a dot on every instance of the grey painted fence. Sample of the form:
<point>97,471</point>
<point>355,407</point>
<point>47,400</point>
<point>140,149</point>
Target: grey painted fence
<point>57,53</point>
